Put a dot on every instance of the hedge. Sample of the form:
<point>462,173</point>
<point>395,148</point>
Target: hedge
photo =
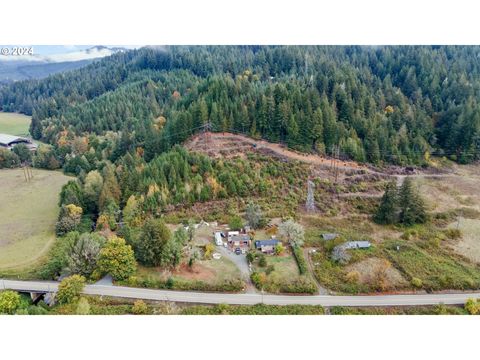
<point>175,284</point>
<point>301,285</point>
<point>302,263</point>
<point>258,309</point>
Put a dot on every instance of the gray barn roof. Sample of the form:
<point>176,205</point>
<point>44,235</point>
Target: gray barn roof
<point>6,139</point>
<point>11,140</point>
<point>240,237</point>
<point>356,245</point>
<point>260,243</point>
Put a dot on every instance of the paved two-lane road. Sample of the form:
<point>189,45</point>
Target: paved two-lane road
<point>247,299</point>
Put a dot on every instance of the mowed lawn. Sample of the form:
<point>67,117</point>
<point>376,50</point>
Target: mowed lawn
<point>28,212</point>
<point>14,124</point>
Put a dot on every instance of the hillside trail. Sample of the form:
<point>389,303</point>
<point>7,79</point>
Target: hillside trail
<point>401,178</point>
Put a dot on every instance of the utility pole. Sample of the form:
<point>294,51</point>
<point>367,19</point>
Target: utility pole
<point>337,160</point>
<point>458,219</point>
<point>206,134</point>
<point>24,173</point>
<point>332,158</point>
<point>27,172</point>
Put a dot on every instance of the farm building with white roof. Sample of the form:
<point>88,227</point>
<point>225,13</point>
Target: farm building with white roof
<point>9,141</point>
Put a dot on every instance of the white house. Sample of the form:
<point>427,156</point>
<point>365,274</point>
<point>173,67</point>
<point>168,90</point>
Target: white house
<point>230,234</point>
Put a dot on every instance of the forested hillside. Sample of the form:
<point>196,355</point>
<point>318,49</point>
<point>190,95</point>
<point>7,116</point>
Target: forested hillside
<point>396,104</point>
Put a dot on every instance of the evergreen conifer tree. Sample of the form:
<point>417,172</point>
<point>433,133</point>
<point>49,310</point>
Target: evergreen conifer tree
<point>412,206</point>
<point>387,212</point>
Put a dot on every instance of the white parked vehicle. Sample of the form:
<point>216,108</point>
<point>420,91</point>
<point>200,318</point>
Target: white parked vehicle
<point>218,238</point>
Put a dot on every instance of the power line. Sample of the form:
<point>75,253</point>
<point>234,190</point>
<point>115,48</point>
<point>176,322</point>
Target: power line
<point>335,152</point>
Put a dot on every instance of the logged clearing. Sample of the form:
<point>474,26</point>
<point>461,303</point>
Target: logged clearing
<point>28,213</point>
<point>229,145</point>
<point>14,124</point>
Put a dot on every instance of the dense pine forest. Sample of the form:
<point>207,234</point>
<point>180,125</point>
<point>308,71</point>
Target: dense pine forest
<point>118,125</point>
<point>391,104</point>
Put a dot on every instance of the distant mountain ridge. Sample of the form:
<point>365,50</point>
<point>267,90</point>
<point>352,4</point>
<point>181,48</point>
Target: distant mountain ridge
<point>384,104</point>
<point>40,66</point>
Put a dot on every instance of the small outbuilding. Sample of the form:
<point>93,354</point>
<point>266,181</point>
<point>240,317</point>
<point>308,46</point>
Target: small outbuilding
<point>357,245</point>
<point>341,254</point>
<point>329,236</point>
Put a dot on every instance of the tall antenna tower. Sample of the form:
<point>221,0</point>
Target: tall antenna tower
<point>310,204</point>
<point>207,128</point>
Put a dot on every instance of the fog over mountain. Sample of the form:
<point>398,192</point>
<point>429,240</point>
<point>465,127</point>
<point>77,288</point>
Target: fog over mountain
<point>40,65</point>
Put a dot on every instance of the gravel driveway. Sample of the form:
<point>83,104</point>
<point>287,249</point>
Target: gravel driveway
<point>242,264</point>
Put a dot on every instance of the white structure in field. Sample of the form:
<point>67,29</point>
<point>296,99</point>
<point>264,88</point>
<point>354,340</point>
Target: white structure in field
<point>218,238</point>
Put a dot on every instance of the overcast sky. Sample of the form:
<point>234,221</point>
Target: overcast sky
<point>63,49</point>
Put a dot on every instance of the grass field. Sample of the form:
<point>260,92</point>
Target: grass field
<point>285,267</point>
<point>435,267</point>
<point>469,244</point>
<point>14,124</point>
<point>28,213</point>
<point>209,271</point>
<point>281,275</point>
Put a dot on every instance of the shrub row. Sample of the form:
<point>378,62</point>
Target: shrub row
<point>258,309</point>
<point>236,285</point>
<point>302,263</point>
<point>300,285</point>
